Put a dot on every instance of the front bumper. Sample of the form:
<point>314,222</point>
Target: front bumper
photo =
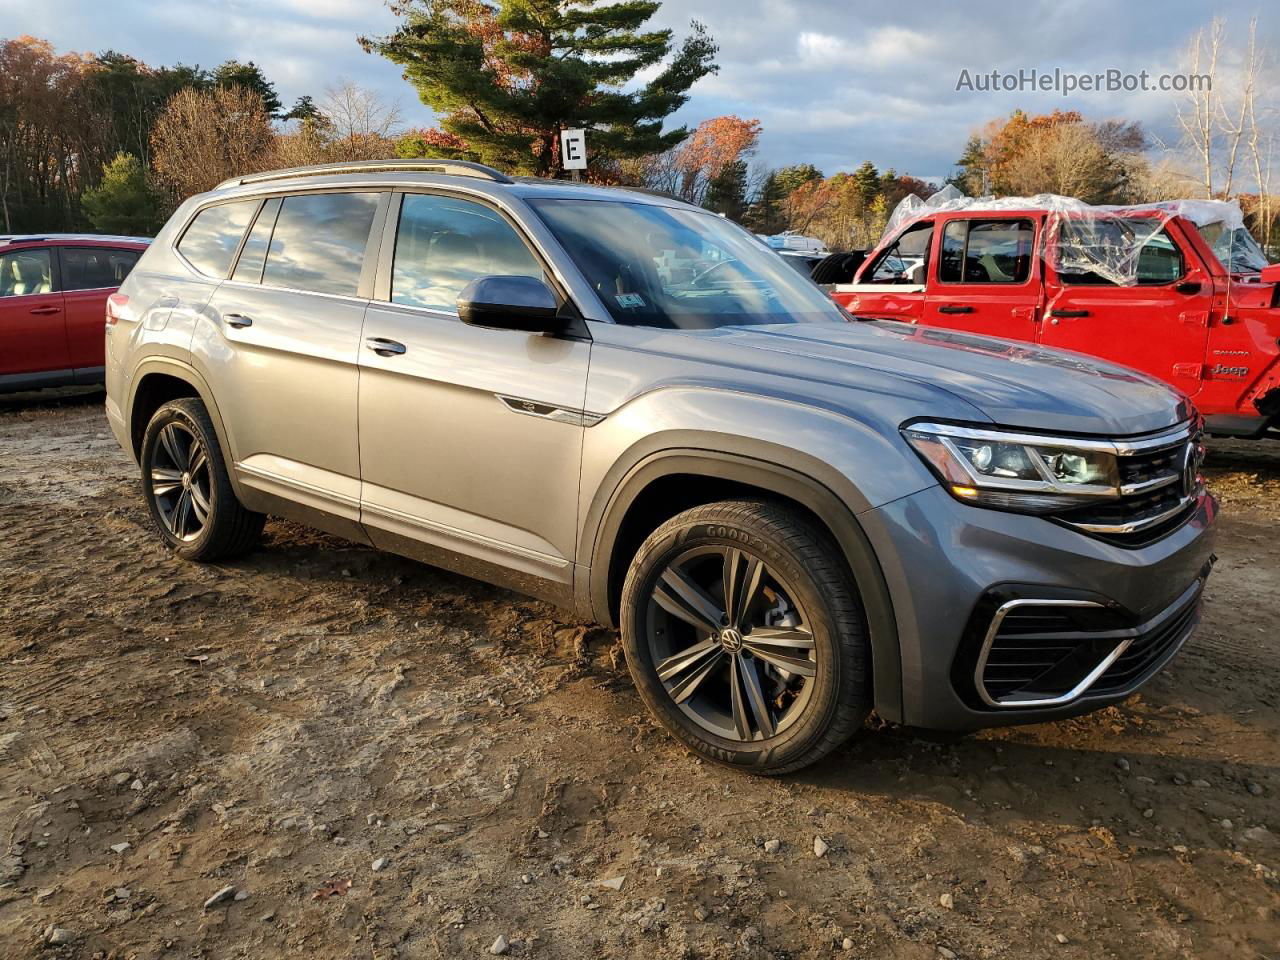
<point>951,568</point>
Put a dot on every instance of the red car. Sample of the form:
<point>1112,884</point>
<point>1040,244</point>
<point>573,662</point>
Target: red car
<point>1180,314</point>
<point>53,301</point>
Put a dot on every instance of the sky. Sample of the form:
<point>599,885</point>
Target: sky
<point>833,82</point>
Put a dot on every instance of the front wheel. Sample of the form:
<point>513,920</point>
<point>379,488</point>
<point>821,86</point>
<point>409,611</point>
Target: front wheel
<point>185,482</point>
<point>745,636</point>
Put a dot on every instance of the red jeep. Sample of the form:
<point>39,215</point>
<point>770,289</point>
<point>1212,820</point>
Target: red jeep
<point>53,304</point>
<point>1145,287</point>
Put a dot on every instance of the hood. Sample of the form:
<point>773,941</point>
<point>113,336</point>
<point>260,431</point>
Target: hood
<point>1012,383</point>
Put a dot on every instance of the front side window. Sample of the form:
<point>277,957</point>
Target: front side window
<point>210,242</point>
<point>319,241</point>
<point>443,243</point>
<point>25,272</point>
<point>92,268</point>
<point>1102,251</point>
<point>986,251</point>
<point>906,260</point>
<point>659,266</point>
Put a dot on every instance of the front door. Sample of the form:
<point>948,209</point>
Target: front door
<point>987,280</point>
<point>33,336</point>
<point>1159,324</point>
<point>470,438</point>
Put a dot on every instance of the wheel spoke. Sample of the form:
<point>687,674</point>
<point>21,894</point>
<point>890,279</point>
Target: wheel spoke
<point>681,597</point>
<point>165,481</point>
<point>199,503</point>
<point>173,446</point>
<point>754,695</point>
<point>695,672</point>
<point>198,459</point>
<point>178,519</point>
<point>743,574</point>
<point>740,721</point>
<point>785,647</point>
<point>686,658</point>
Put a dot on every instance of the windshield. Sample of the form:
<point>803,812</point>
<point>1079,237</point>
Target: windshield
<point>1235,249</point>
<point>657,266</point>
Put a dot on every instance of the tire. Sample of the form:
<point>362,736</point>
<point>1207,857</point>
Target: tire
<point>185,483</point>
<point>837,267</point>
<point>800,633</point>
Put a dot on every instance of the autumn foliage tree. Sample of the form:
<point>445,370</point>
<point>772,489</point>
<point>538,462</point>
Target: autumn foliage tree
<point>202,138</point>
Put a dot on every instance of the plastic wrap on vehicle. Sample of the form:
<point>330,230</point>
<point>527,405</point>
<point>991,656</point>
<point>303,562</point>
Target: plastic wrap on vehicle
<point>1106,242</point>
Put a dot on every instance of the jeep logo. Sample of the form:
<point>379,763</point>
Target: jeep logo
<point>1222,370</point>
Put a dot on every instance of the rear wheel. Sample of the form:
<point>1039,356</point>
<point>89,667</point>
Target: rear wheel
<point>185,482</point>
<point>745,637</point>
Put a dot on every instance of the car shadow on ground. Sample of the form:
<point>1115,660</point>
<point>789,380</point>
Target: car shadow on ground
<point>54,399</point>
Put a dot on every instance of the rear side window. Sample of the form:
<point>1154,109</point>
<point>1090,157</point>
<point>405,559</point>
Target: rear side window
<point>92,268</point>
<point>25,272</point>
<point>210,242</point>
<point>319,241</point>
<point>254,254</point>
<point>907,260</point>
<point>443,243</point>
<point>986,251</point>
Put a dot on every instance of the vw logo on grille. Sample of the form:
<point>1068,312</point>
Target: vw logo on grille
<point>1189,470</point>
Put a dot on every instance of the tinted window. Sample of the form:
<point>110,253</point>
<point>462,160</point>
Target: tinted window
<point>906,260</point>
<point>211,240</point>
<point>254,254</point>
<point>319,240</point>
<point>25,272</point>
<point>986,251</point>
<point>443,243</point>
<point>659,266</point>
<point>90,268</point>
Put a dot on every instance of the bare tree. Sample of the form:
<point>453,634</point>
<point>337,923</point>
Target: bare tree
<point>360,124</point>
<point>202,139</point>
<point>1198,112</point>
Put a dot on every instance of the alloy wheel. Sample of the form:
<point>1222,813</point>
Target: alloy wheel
<point>180,481</point>
<point>730,644</point>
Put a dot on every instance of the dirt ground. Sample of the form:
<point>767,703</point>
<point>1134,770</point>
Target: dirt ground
<point>377,759</point>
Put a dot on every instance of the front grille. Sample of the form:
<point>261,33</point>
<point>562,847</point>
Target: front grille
<point>1038,653</point>
<point>1160,487</point>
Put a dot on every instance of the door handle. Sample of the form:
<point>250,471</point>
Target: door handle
<point>45,311</point>
<point>237,320</point>
<point>1068,313</point>
<point>384,347</point>
<point>948,308</point>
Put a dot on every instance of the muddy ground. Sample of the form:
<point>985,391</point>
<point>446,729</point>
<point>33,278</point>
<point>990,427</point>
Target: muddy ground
<point>282,725</point>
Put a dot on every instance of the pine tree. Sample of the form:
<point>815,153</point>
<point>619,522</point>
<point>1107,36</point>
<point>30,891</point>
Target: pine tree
<point>249,75</point>
<point>507,76</point>
<point>123,202</point>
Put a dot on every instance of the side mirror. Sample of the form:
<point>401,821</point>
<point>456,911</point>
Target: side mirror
<point>510,303</point>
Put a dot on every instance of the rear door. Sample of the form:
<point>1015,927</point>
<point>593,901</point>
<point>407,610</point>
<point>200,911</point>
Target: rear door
<point>1160,325</point>
<point>33,337</point>
<point>89,276</point>
<point>987,278</point>
<point>281,336</point>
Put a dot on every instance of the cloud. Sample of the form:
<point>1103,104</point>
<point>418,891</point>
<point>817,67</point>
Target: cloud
<point>833,82</point>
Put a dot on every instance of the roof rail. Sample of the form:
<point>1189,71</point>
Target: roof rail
<point>460,168</point>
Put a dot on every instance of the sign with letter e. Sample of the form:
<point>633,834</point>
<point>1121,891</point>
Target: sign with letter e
<point>573,149</point>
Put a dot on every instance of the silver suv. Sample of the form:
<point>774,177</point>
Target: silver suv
<point>633,408</point>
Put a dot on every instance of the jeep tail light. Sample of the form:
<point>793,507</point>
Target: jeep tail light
<point>115,307</point>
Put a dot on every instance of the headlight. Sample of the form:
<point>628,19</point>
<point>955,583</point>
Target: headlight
<point>1015,471</point>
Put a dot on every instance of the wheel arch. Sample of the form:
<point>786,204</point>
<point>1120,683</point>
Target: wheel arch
<point>667,482</point>
<point>156,381</point>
